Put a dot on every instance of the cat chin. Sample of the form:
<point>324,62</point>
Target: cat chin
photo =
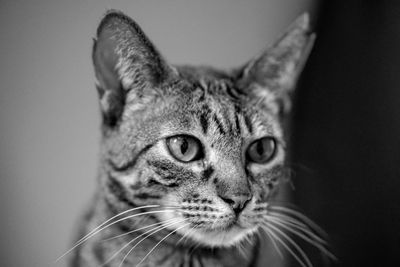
<point>222,238</point>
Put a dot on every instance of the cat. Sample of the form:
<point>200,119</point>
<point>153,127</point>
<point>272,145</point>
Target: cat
<point>192,158</point>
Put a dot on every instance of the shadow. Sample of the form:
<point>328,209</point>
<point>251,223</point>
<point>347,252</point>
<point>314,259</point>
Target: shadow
<point>347,132</point>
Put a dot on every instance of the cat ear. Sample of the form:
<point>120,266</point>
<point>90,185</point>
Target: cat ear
<point>271,77</point>
<point>125,61</point>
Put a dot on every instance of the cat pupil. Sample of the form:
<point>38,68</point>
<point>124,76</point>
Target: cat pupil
<point>184,146</point>
<point>260,148</point>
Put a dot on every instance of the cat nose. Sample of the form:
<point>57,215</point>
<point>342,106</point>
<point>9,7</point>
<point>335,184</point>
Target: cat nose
<point>238,203</point>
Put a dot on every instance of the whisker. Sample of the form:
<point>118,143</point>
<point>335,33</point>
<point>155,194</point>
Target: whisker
<point>165,237</point>
<point>295,222</point>
<point>144,238</point>
<point>273,242</point>
<point>304,237</point>
<point>242,247</point>
<point>93,232</point>
<point>138,229</point>
<point>294,244</point>
<point>288,217</point>
<point>277,238</point>
<point>186,234</point>
<point>289,221</point>
<point>125,218</point>
<point>154,230</point>
<point>301,216</point>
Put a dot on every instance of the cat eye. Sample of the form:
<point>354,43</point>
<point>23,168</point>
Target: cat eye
<point>184,148</point>
<point>262,150</point>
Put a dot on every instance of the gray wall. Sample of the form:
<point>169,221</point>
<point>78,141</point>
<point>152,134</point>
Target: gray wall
<point>48,105</point>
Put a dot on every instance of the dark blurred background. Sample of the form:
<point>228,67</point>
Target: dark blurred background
<point>346,132</point>
<point>346,129</point>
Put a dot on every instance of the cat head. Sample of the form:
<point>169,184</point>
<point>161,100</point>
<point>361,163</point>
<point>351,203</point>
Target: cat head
<point>206,145</point>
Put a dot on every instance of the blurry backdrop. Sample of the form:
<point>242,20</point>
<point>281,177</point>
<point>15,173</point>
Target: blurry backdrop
<point>49,116</point>
<point>346,138</point>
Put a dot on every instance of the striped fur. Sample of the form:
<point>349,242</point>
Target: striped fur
<point>144,101</point>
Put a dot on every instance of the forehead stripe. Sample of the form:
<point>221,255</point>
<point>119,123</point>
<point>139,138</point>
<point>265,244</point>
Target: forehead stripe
<point>204,122</point>
<point>237,123</point>
<point>248,123</point>
<point>218,124</point>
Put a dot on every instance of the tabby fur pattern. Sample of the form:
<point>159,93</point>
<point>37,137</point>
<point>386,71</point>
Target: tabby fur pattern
<point>215,209</point>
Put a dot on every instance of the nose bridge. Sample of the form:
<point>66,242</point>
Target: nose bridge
<point>233,186</point>
<point>232,179</point>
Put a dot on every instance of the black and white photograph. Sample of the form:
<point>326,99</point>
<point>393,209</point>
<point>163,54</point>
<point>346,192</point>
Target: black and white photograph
<point>225,133</point>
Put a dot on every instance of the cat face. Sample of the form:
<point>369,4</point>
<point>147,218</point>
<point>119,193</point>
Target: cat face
<point>206,145</point>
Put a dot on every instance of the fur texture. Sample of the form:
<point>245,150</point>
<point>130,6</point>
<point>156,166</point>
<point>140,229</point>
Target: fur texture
<point>214,206</point>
